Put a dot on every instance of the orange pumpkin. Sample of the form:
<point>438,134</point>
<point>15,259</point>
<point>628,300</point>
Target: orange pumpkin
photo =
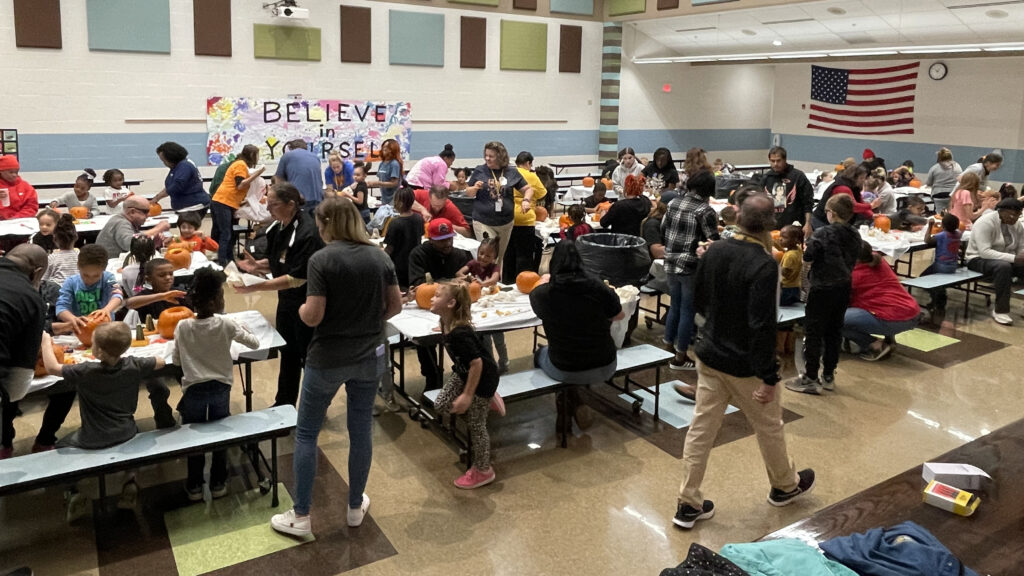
<point>608,184</point>
<point>95,320</point>
<point>79,212</point>
<point>155,210</point>
<point>776,235</point>
<point>564,221</point>
<point>424,292</point>
<point>778,255</point>
<point>179,257</point>
<point>542,213</point>
<point>475,291</point>
<point>58,351</point>
<point>526,281</point>
<point>588,182</point>
<point>882,222</point>
<point>915,183</point>
<point>179,243</point>
<point>169,320</point>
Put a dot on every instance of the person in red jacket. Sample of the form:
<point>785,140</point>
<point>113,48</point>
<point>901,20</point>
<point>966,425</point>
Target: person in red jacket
<point>18,198</point>
<point>878,305</point>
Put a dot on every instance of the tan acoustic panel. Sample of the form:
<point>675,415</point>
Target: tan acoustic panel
<point>211,20</point>
<point>37,24</point>
<point>570,49</point>
<point>355,34</point>
<point>473,45</point>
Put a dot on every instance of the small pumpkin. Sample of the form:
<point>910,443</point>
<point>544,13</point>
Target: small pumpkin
<point>79,212</point>
<point>155,210</point>
<point>475,291</point>
<point>564,221</point>
<point>776,235</point>
<point>424,293</point>
<point>169,320</point>
<point>95,321</point>
<point>882,222</point>
<point>915,183</point>
<point>526,281</point>
<point>588,182</point>
<point>179,243</point>
<point>608,184</point>
<point>179,257</point>
<point>58,351</point>
<point>541,212</point>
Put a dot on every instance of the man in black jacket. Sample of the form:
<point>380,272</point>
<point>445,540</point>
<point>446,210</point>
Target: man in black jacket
<point>736,286</point>
<point>790,190</point>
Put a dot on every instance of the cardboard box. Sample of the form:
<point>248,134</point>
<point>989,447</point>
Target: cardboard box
<point>962,476</point>
<point>959,502</point>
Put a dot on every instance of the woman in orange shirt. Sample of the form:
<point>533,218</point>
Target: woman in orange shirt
<point>229,197</point>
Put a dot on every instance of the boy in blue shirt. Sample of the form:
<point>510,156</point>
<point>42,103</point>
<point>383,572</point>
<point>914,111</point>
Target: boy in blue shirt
<point>92,290</point>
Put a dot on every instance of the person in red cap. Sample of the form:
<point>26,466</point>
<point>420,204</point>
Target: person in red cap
<point>18,199</point>
<point>871,161</point>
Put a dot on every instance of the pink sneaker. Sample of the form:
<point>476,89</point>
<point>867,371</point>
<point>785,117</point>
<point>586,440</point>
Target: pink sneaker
<point>42,447</point>
<point>474,478</point>
<point>497,404</point>
<point>6,453</point>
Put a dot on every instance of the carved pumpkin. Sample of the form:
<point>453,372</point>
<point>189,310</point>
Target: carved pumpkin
<point>542,213</point>
<point>424,292</point>
<point>58,351</point>
<point>79,212</point>
<point>882,222</point>
<point>95,320</point>
<point>179,243</point>
<point>915,183</point>
<point>475,291</point>
<point>588,182</point>
<point>564,221</point>
<point>169,320</point>
<point>155,210</point>
<point>526,281</point>
<point>179,257</point>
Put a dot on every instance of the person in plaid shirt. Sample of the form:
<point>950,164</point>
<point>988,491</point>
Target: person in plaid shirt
<point>688,222</point>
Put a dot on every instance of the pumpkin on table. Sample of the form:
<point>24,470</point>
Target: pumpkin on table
<point>541,212</point>
<point>58,351</point>
<point>588,182</point>
<point>564,221</point>
<point>424,293</point>
<point>155,210</point>
<point>95,320</point>
<point>526,281</point>
<point>169,320</point>
<point>179,257</point>
<point>79,212</point>
<point>882,222</point>
<point>475,291</point>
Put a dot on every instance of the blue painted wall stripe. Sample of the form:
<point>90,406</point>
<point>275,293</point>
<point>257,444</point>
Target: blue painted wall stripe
<point>609,101</point>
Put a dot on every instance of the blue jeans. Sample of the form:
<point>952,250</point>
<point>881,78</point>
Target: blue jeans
<point>319,386</point>
<point>206,402</point>
<point>859,325</point>
<point>592,376</point>
<point>679,321</point>
<point>223,216</point>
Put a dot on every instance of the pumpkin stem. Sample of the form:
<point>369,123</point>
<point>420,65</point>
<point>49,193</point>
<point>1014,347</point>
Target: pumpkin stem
<point>150,326</point>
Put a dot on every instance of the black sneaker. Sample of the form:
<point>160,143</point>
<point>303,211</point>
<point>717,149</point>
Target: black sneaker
<point>779,498</point>
<point>687,516</point>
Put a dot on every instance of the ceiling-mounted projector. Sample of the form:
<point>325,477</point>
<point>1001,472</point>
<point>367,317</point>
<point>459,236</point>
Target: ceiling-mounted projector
<point>291,12</point>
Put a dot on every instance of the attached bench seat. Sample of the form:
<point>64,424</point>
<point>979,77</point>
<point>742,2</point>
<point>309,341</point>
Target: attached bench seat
<point>952,280</point>
<point>67,465</point>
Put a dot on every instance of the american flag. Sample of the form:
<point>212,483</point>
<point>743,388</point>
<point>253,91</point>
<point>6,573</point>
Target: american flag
<point>865,101</point>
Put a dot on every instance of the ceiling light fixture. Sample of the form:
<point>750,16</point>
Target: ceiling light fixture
<point>776,42</point>
<point>848,53</point>
<point>836,10</point>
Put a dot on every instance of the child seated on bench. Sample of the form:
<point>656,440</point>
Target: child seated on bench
<point>947,252</point>
<point>203,350</point>
<point>108,394</point>
<point>473,381</point>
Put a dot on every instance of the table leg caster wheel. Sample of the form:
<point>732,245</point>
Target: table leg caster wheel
<point>637,405</point>
<point>649,323</point>
<point>414,414</point>
<point>424,423</point>
<point>265,486</point>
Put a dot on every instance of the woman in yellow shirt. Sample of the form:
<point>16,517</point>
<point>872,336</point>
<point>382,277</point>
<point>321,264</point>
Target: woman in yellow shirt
<point>524,249</point>
<point>229,197</point>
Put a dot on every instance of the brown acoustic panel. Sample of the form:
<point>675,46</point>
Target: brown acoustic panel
<point>473,46</point>
<point>524,4</point>
<point>211,20</point>
<point>355,34</point>
<point>668,4</point>
<point>37,24</point>
<point>570,49</point>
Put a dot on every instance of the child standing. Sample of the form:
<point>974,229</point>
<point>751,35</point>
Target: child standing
<point>484,269</point>
<point>832,252</point>
<point>47,218</point>
<point>579,227</point>
<point>473,381</point>
<point>80,196</point>
<point>92,291</point>
<point>203,350</point>
<point>947,253</point>
<point>358,191</point>
<point>405,232</point>
<point>63,262</point>
<point>140,251</point>
<point>188,226</point>
<point>116,191</point>
<point>792,239</point>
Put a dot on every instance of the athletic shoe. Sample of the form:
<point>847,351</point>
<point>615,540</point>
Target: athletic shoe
<point>498,404</point>
<point>686,391</point>
<point>356,515</point>
<point>76,506</point>
<point>129,495</point>
<point>779,498</point>
<point>390,404</point>
<point>805,384</point>
<point>828,382</point>
<point>872,355</point>
<point>584,416</point>
<point>1003,319</point>
<point>682,362</point>
<point>218,490</point>
<point>686,515</point>
<point>194,493</point>
<point>289,523</point>
<point>474,478</point>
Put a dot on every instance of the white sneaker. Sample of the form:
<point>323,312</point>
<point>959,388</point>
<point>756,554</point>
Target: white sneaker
<point>1003,319</point>
<point>356,515</point>
<point>289,523</point>
<point>76,505</point>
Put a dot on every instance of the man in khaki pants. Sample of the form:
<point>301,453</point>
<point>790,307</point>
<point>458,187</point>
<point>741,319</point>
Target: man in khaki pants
<point>737,282</point>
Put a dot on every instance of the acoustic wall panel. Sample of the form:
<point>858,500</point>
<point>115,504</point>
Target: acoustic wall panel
<point>479,2</point>
<point>416,38</point>
<point>37,24</point>
<point>624,7</point>
<point>355,34</point>
<point>570,48</point>
<point>524,4</point>
<point>211,21</point>
<point>668,4</point>
<point>473,42</point>
<point>129,25</point>
<point>286,42</point>
<point>524,46</point>
<point>583,7</point>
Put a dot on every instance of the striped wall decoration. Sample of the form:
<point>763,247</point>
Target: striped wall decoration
<point>611,65</point>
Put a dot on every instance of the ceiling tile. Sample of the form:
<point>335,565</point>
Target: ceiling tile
<point>857,24</point>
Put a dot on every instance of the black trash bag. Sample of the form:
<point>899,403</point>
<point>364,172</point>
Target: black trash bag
<point>727,183</point>
<point>621,259</point>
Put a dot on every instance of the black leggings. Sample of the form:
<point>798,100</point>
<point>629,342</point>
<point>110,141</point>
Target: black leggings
<point>293,355</point>
<point>823,325</point>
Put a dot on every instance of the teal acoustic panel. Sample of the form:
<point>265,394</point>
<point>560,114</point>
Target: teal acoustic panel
<point>584,7</point>
<point>129,25</point>
<point>416,38</point>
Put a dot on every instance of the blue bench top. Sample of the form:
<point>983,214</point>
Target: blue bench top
<point>30,470</point>
<point>791,314</point>
<point>942,280</point>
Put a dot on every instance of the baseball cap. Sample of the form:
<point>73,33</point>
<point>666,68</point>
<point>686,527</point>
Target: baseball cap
<point>440,229</point>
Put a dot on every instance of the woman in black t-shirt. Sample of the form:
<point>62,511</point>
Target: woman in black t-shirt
<point>626,216</point>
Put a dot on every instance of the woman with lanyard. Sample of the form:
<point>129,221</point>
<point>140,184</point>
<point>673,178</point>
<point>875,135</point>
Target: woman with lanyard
<point>183,183</point>
<point>352,292</point>
<point>493,184</point>
<point>291,240</point>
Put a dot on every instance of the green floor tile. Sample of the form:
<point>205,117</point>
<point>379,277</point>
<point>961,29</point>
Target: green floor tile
<point>924,340</point>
